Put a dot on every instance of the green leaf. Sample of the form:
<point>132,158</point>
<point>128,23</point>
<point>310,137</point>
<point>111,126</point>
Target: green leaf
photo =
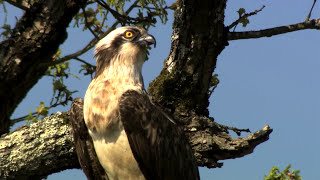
<point>241,12</point>
<point>244,21</point>
<point>286,174</point>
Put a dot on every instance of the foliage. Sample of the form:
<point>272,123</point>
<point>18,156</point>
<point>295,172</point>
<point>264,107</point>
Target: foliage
<point>243,20</point>
<point>5,28</point>
<point>98,17</point>
<point>286,174</point>
<point>61,94</point>
<point>213,83</point>
<point>41,111</point>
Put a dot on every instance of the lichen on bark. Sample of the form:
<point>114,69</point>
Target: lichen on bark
<point>36,151</point>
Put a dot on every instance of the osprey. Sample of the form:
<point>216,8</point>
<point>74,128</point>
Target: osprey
<point>133,138</point>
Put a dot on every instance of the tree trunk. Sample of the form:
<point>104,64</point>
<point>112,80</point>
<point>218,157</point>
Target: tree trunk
<point>182,88</point>
<point>198,38</point>
<point>23,57</point>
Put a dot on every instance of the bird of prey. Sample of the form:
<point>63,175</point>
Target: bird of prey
<point>133,138</point>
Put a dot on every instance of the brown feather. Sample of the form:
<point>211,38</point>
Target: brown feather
<point>133,138</point>
<point>83,143</point>
<point>159,145</point>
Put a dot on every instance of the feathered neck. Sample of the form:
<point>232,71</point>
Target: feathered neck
<point>125,67</point>
<point>125,73</point>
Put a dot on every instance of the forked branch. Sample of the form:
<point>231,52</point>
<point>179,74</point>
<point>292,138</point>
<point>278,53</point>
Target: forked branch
<point>309,14</point>
<point>235,23</point>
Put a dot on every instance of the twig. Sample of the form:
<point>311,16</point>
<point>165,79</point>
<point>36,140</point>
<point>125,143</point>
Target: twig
<point>234,129</point>
<point>83,61</point>
<point>312,24</point>
<point>125,19</point>
<point>115,14</point>
<point>34,114</point>
<point>87,24</point>
<point>309,15</point>
<point>91,43</point>
<point>235,23</point>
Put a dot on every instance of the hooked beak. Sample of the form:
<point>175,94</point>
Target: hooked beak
<point>147,40</point>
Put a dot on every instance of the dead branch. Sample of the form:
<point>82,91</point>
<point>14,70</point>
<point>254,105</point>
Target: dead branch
<point>312,24</point>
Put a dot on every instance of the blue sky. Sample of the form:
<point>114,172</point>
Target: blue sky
<point>272,81</point>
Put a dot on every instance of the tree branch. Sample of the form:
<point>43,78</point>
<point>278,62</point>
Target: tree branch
<point>19,4</point>
<point>309,15</point>
<point>212,143</point>
<point>312,24</point>
<point>47,146</point>
<point>34,152</point>
<point>39,32</point>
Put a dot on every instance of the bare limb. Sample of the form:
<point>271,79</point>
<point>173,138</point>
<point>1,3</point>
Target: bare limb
<point>312,24</point>
<point>212,143</point>
<point>83,61</point>
<point>19,4</point>
<point>234,129</point>
<point>309,15</point>
<point>235,23</point>
<point>20,119</point>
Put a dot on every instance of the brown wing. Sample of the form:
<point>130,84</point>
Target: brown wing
<point>159,146</point>
<point>84,146</point>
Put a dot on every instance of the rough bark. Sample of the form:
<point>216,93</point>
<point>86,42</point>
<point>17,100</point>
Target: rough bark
<point>34,152</point>
<point>198,38</point>
<point>23,56</point>
<point>182,88</point>
<point>47,147</point>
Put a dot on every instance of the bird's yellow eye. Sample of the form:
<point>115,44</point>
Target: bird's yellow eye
<point>129,34</point>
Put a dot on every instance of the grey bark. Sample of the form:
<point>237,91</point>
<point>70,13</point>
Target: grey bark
<point>25,55</point>
<point>199,36</point>
<point>34,152</point>
<point>47,147</point>
<point>182,88</point>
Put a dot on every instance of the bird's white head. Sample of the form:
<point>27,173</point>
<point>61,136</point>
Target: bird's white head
<point>124,46</point>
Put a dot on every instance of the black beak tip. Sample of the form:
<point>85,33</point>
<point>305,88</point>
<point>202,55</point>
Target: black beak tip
<point>154,41</point>
<point>147,40</point>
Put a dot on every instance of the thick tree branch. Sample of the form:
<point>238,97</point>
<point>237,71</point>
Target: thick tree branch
<point>22,4</point>
<point>312,24</point>
<point>212,143</point>
<point>47,147</point>
<point>34,152</point>
<point>34,40</point>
